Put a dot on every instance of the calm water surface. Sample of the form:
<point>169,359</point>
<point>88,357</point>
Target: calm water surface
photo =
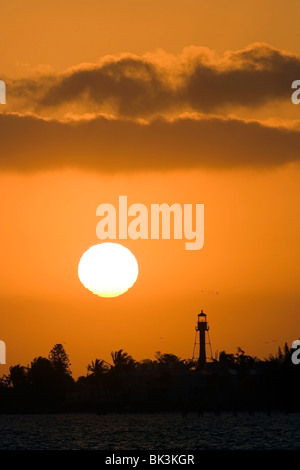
<point>153,432</point>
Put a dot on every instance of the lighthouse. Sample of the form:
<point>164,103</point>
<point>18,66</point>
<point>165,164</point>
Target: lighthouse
<point>200,340</point>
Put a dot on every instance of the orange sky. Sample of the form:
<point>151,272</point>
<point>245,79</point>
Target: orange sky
<point>244,171</point>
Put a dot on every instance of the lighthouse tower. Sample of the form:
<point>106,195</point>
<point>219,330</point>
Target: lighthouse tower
<point>199,353</point>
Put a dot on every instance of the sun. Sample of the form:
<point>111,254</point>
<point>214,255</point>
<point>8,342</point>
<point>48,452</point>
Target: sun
<point>108,269</point>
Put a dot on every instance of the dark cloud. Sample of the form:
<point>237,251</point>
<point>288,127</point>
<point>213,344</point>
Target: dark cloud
<point>132,86</point>
<point>250,78</point>
<point>29,144</point>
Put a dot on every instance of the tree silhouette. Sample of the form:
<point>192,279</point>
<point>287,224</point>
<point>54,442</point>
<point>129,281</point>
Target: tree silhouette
<point>17,376</point>
<point>282,357</point>
<point>242,360</point>
<point>122,361</point>
<point>60,360</point>
<point>45,388</point>
<point>41,373</point>
<point>170,360</point>
<point>97,367</point>
<point>239,360</point>
<point>227,360</point>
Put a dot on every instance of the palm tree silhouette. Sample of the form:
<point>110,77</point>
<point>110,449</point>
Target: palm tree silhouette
<point>122,361</point>
<point>97,367</point>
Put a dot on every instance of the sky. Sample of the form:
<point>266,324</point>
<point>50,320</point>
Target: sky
<point>170,101</point>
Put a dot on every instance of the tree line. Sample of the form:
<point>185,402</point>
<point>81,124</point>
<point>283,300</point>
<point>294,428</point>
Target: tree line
<point>168,382</point>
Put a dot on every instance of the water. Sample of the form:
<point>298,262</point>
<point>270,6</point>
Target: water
<point>149,432</point>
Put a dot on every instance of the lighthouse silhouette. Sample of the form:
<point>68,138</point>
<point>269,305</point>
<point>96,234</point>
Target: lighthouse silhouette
<point>200,340</point>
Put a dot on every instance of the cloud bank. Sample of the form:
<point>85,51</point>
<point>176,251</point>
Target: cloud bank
<point>160,84</point>
<point>156,111</point>
<point>30,143</point>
